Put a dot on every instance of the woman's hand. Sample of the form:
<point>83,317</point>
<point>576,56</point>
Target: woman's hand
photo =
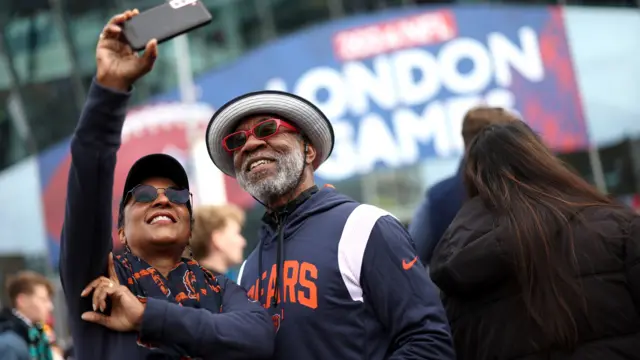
<point>126,309</point>
<point>118,66</point>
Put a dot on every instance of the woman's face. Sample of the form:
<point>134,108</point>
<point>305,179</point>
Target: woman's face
<point>230,242</point>
<point>141,228</point>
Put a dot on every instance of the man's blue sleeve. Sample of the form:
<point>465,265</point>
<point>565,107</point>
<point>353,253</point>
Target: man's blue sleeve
<point>243,330</point>
<point>405,300</point>
<point>420,231</point>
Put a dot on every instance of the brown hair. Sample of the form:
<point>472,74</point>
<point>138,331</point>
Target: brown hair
<point>480,117</point>
<point>535,199</point>
<point>208,219</point>
<point>24,282</point>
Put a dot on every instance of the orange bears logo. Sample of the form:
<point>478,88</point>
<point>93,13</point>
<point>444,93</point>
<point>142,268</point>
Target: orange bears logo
<point>189,281</point>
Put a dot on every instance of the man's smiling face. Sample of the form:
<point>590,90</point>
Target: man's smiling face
<point>268,168</point>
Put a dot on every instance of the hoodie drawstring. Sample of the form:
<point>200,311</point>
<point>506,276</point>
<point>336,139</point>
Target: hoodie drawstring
<point>280,220</point>
<point>259,270</point>
<point>279,259</point>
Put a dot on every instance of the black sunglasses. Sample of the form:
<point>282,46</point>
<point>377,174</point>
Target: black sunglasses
<point>147,193</point>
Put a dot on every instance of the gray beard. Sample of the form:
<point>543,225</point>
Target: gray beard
<point>288,171</point>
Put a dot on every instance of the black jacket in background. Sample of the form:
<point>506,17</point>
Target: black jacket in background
<point>472,265</point>
<point>10,322</point>
<point>36,348</point>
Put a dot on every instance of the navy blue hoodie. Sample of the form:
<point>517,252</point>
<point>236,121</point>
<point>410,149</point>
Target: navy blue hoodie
<point>242,330</point>
<point>351,284</point>
<point>436,212</point>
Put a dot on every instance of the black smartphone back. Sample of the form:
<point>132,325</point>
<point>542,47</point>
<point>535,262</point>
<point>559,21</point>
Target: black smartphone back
<point>164,22</point>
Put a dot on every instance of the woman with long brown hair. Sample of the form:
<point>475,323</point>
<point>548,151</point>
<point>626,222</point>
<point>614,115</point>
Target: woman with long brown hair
<point>537,264</point>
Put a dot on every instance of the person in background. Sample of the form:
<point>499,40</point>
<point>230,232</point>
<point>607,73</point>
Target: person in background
<point>217,242</point>
<point>149,302</point>
<point>444,199</point>
<point>537,264</point>
<point>22,336</point>
<point>341,279</point>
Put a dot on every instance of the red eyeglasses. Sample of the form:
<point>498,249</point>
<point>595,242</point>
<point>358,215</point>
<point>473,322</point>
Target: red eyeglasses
<point>263,130</point>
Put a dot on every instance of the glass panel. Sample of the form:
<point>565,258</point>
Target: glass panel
<point>37,48</point>
<point>603,3</point>
<point>250,20</point>
<point>293,15</point>
<point>397,3</point>
<point>12,148</point>
<point>52,113</point>
<point>162,79</point>
<point>354,7</point>
<point>85,30</point>
<point>607,3</point>
<point>219,42</point>
<point>25,7</point>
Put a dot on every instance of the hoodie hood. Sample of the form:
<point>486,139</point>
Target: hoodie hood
<point>470,257</point>
<point>293,215</point>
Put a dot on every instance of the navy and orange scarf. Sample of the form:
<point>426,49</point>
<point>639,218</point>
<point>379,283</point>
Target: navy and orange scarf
<point>188,284</point>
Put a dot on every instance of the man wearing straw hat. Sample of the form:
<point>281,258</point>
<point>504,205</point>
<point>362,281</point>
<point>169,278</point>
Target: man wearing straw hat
<point>341,279</point>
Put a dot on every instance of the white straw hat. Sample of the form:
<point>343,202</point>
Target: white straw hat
<point>301,113</point>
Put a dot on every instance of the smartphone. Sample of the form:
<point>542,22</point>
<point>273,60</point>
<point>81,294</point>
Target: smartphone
<point>164,22</point>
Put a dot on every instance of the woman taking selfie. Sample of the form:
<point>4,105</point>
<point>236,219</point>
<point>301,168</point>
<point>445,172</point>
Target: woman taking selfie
<point>537,264</point>
<point>148,303</point>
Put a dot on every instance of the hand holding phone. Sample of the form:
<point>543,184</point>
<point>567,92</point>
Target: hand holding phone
<point>118,67</point>
<point>164,22</point>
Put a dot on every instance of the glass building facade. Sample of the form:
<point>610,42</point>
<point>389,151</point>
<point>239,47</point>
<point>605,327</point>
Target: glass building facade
<point>47,54</point>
